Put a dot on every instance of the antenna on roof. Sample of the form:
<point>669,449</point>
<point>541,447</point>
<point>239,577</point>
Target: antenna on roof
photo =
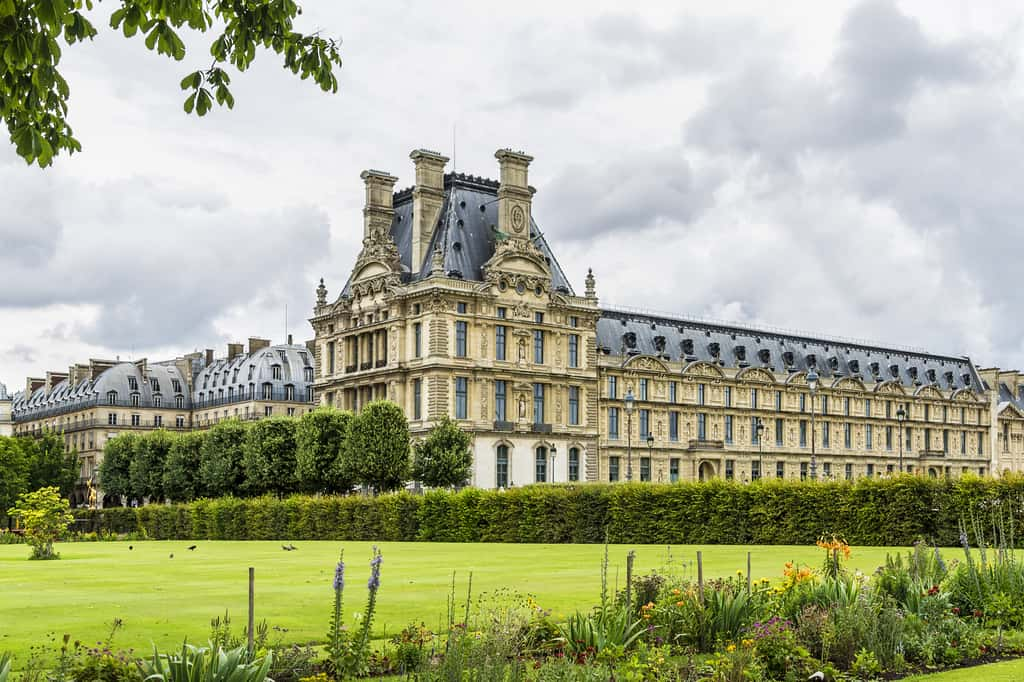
<point>285,320</point>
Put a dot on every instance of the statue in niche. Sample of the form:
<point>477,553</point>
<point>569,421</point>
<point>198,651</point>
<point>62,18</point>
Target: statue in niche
<point>522,407</point>
<point>522,350</point>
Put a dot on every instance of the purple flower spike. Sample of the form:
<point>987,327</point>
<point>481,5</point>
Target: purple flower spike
<point>339,576</point>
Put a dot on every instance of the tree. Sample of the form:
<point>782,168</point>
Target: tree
<point>182,466</point>
<point>378,446</point>
<point>268,461</point>
<point>14,474</point>
<point>50,464</point>
<point>220,469</point>
<point>444,459</point>
<point>34,94</point>
<point>146,471</point>
<point>45,517</point>
<point>320,451</point>
<point>115,478</point>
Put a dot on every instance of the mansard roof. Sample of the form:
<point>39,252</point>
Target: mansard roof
<point>465,233</point>
<point>256,369</point>
<point>626,333</point>
<point>1008,397</point>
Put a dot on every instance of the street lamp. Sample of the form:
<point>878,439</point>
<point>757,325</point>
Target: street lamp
<point>901,416</point>
<point>630,406</point>
<point>760,450</point>
<point>650,452</point>
<point>812,383</point>
<point>554,450</point>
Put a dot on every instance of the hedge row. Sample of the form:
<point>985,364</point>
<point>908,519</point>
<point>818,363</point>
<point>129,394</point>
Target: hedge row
<point>866,512</point>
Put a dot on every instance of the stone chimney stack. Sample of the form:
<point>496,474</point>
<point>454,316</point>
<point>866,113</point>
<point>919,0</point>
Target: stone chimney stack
<point>379,210</point>
<point>209,357</point>
<point>256,344</point>
<point>514,193</point>
<point>234,350</point>
<point>427,199</point>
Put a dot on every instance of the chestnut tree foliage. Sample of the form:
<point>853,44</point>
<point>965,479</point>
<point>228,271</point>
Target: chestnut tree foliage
<point>33,34</point>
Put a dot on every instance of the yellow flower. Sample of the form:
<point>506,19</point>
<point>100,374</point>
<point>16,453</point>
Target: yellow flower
<point>679,603</point>
<point>731,648</point>
<point>676,592</point>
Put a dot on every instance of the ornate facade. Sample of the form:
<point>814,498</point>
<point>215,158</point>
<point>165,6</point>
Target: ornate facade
<point>6,421</point>
<point>456,305</point>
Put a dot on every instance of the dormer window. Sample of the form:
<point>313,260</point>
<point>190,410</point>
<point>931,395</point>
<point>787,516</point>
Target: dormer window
<point>133,384</point>
<point>289,392</point>
<point>251,368</point>
<point>206,381</point>
<point>111,397</point>
<point>234,377</point>
<point>176,385</point>
<point>154,384</point>
<point>275,371</point>
<point>135,399</point>
<point>309,374</point>
<point>179,401</point>
<point>268,391</point>
<point>157,400</point>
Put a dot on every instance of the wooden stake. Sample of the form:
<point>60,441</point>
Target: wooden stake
<point>252,606</point>
<point>629,580</point>
<point>700,577</point>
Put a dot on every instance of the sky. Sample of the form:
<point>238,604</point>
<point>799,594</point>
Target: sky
<point>846,169</point>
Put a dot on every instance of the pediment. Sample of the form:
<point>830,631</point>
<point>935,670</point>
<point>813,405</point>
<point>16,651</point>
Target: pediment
<point>890,388</point>
<point>701,368</point>
<point>756,374</point>
<point>1011,410</point>
<point>966,395</point>
<point>928,392</point>
<point>645,362</point>
<point>849,384</point>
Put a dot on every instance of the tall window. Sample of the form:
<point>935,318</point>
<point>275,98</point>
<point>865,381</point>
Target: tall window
<point>268,391</point>
<point>673,426</point>
<point>908,445</point>
<point>755,470</point>
<point>541,461</point>
<point>753,431</point>
<point>159,401</point>
<point>728,396</point>
<point>417,399</point>
<point>981,447</point>
<point>645,468</point>
<point>945,441</point>
<point>538,403</point>
<point>460,339</point>
<point>846,406</point>
<point>538,317</point>
<point>780,469</point>
<point>847,435</point>
<point>574,464</point>
<point>613,385</point>
<point>888,438</point>
<point>963,442</point>
<point>700,394</point>
<point>501,467</point>
<point>825,434</point>
<point>136,420</point>
<point>500,409</point>
<point>730,469</point>
<point>179,402</point>
<point>888,409</point>
<point>111,397</point>
<point>803,402</point>
<point>613,423</point>
<point>673,469</point>
<point>275,371</point>
<point>803,471</point>
<point>499,342</point>
<point>927,439</point>
<point>824,404</point>
<point>417,340</point>
<point>574,350</point>
<point>867,436</point>
<point>330,359</point>
<point>538,346</point>
<point>461,399</point>
<point>867,407</point>
<point>645,423</point>
<point>673,387</point>
<point>779,436</point>
<point>1006,437</point>
<point>643,389</point>
<point>613,468</point>
<point>133,384</point>
<point>702,426</point>
<point>728,428</point>
<point>112,418</point>
<point>574,405</point>
<point>778,401</point>
<point>848,472</point>
<point>753,398</point>
<point>927,412</point>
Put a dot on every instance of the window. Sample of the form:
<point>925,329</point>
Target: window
<point>613,468</point>
<point>963,415</point>
<point>963,442</point>
<point>927,439</point>
<point>154,385</point>
<point>461,389</point>
<point>574,350</point>
<point>541,462</point>
<point>574,405</point>
<point>133,384</point>
<point>460,307</point>
<point>945,441</point>
<point>112,418</point>
<point>779,435</point>
<point>613,423</point>
<point>778,401</point>
<point>158,401</point>
<point>728,396</point>
<point>268,391</point>
<point>867,407</point>
<point>574,321</point>
<point>643,389</point>
<point>268,411</point>
<point>673,426</point>
<point>672,391</point>
<point>538,403</point>
<point>502,312</point>
<point>136,420</point>
<point>460,339</point>
<point>803,402</point>
<point>275,371</point>
<point>730,466</point>
<point>888,438</point>
<point>945,414</point>
<point>158,420</point>
<point>289,392</point>
<point>111,397</point>
<point>871,469</point>
<point>803,471</point>
<point>824,434</point>
<point>927,411</point>
<point>888,409</point>
<point>135,399</point>
<point>417,399</point>
<point>175,385</point>
<point>612,387</point>
<point>330,359</point>
<point>702,426</point>
<point>417,340</point>
<point>538,317</point>
<point>501,467</point>
<point>828,469</point>
<point>1006,437</point>
<point>645,423</point>
<point>908,439</point>
<point>500,333</point>
<point>538,346</point>
<point>673,469</point>
<point>179,422</point>
<point>700,394</point>
<point>728,428</point>
<point>645,468</point>
<point>867,436</point>
<point>755,470</point>
<point>754,435</point>
<point>780,469</point>
<point>847,435</point>
<point>981,449</point>
<point>309,393</point>
<point>307,374</point>
<point>500,397</point>
<point>753,398</point>
<point>846,406</point>
<point>981,470</point>
<point>574,464</point>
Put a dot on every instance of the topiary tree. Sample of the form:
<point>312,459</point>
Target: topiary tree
<point>444,459</point>
<point>268,460</point>
<point>220,469</point>
<point>378,446</point>
<point>181,469</point>
<point>321,464</point>
<point>45,517</point>
<point>146,471</point>
<point>115,478</point>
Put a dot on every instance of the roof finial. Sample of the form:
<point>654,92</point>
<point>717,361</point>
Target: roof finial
<point>321,294</point>
<point>437,262</point>
<point>590,284</point>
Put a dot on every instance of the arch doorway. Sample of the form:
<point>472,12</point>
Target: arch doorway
<point>932,473</point>
<point>706,471</point>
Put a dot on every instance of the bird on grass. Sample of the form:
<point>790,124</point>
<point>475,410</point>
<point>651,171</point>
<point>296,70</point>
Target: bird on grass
<point>286,548</point>
<point>172,556</point>
<point>192,548</point>
<point>292,548</point>
<point>130,547</point>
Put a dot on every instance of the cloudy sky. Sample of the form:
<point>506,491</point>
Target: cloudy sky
<point>850,169</point>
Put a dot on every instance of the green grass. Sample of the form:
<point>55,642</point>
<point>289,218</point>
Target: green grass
<point>163,601</point>
<point>1007,671</point>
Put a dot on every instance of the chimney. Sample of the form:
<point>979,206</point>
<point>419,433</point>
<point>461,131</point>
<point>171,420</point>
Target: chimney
<point>209,357</point>
<point>379,209</point>
<point>427,199</point>
<point>514,193</point>
<point>32,384</point>
<point>234,350</point>
<point>290,340</point>
<point>256,344</point>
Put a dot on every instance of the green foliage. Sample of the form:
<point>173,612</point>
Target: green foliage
<point>378,446</point>
<point>220,470</point>
<point>5,666</point>
<point>584,634</point>
<point>146,470</point>
<point>268,459</point>
<point>49,464</point>
<point>14,465</point>
<point>180,477</point>
<point>444,459</point>
<point>320,451</point>
<point>34,94</point>
<point>115,469</point>
<point>204,664</point>
<point>45,517</point>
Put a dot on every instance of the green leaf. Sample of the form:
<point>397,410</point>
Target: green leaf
<point>190,103</point>
<point>192,81</point>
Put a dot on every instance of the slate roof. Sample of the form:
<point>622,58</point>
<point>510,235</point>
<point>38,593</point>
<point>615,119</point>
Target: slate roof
<point>211,381</point>
<point>623,333</point>
<point>1008,397</point>
<point>463,232</point>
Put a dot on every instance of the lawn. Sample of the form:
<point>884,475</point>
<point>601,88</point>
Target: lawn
<point>1007,671</point>
<point>163,600</point>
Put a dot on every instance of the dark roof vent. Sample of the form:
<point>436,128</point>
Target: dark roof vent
<point>948,376</point>
<point>457,246</point>
<point>686,345</point>
<point>894,370</point>
<point>788,358</point>
<point>966,379</point>
<point>912,372</point>
<point>764,355</point>
<point>398,217</point>
<point>455,274</point>
<point>930,373</point>
<point>833,363</point>
<point>874,368</point>
<point>812,360</point>
<point>462,204</point>
<point>562,289</point>
<point>459,222</point>
<point>714,349</point>
<point>854,366</point>
<point>659,344</point>
<point>629,339</point>
<point>740,352</point>
<point>483,208</point>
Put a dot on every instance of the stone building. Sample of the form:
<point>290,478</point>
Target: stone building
<point>457,305</point>
<point>93,402</point>
<point>6,423</point>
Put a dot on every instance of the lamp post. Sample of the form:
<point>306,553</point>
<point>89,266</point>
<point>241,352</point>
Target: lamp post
<point>554,450</point>
<point>650,452</point>
<point>760,450</point>
<point>812,383</point>
<point>901,416</point>
<point>630,406</point>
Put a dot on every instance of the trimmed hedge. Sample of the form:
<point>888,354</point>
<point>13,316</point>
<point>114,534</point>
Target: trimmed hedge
<point>866,512</point>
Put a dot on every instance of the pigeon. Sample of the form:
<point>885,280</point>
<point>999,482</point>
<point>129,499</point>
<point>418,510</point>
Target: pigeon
<point>130,547</point>
<point>172,556</point>
<point>192,548</point>
<point>286,548</point>
<point>292,548</point>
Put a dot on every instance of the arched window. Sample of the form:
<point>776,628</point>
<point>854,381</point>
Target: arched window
<point>135,399</point>
<point>157,400</point>
<point>541,464</point>
<point>111,397</point>
<point>501,467</point>
<point>574,464</point>
<point>268,391</point>
<point>179,401</point>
